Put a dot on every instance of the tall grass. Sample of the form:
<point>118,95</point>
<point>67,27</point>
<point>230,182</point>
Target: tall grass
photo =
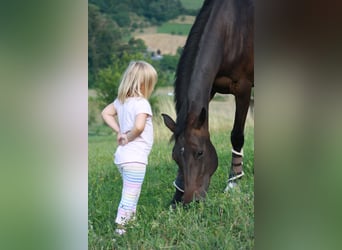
<point>223,221</point>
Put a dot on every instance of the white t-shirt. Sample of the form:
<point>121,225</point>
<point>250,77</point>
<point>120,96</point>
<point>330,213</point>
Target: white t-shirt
<point>138,149</point>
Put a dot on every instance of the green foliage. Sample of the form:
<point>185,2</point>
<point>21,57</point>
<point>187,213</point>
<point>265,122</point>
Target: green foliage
<point>91,111</point>
<point>163,10</point>
<point>174,28</point>
<point>122,19</point>
<point>108,82</point>
<point>179,51</point>
<point>168,63</point>
<point>223,221</point>
<point>156,11</point>
<point>192,4</point>
<point>166,69</point>
<point>134,46</point>
<point>104,38</point>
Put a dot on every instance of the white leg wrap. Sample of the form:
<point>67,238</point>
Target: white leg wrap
<point>174,183</point>
<point>236,177</point>
<point>238,153</point>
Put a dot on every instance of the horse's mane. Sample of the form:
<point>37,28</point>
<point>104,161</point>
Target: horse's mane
<point>237,22</point>
<point>186,64</point>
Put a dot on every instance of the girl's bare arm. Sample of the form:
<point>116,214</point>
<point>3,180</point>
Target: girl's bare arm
<point>139,126</point>
<point>108,115</point>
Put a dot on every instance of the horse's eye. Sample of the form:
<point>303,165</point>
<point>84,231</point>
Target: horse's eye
<point>199,154</point>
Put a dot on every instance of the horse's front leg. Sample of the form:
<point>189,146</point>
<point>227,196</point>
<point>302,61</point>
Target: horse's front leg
<point>179,186</point>
<point>242,99</point>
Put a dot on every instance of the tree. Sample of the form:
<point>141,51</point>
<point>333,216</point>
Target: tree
<point>156,11</point>
<point>169,63</point>
<point>134,46</point>
<point>163,10</point>
<point>104,38</point>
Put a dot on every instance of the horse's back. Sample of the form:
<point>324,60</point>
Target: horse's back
<point>236,18</point>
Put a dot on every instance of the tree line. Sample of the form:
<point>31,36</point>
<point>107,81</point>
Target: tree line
<point>156,11</point>
<point>109,50</point>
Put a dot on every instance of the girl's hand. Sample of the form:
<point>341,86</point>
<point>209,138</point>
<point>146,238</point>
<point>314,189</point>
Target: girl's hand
<point>122,139</point>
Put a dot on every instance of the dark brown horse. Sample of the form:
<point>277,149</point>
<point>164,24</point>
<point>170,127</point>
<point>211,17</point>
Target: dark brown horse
<point>218,57</point>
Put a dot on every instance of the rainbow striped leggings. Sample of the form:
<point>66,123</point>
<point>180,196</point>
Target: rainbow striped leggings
<point>133,175</point>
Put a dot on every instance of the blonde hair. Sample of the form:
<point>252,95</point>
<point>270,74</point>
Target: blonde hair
<point>139,79</point>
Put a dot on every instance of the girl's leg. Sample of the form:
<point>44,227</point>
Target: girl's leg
<point>133,176</point>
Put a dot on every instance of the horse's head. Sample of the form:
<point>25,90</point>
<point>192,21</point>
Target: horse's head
<point>195,155</point>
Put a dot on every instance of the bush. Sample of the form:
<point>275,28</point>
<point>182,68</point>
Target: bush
<point>122,19</point>
<point>169,63</point>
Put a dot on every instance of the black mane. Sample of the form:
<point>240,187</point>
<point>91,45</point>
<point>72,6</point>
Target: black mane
<point>186,64</point>
<point>238,25</point>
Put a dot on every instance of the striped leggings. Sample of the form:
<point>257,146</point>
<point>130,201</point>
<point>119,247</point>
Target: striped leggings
<point>133,174</point>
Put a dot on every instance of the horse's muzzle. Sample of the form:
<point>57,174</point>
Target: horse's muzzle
<point>195,195</point>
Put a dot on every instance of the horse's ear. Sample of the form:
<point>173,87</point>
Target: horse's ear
<point>169,122</point>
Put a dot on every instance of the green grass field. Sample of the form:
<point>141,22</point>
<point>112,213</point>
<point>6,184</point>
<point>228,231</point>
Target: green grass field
<point>174,29</point>
<point>223,221</point>
<point>192,4</point>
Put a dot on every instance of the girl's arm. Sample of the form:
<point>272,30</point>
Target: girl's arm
<point>108,115</point>
<point>139,126</point>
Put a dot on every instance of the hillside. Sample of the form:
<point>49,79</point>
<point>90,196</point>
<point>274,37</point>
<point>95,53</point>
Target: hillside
<point>162,25</point>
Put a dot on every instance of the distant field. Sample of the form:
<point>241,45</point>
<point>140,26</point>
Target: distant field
<point>174,28</point>
<point>166,43</point>
<point>169,36</point>
<point>192,4</point>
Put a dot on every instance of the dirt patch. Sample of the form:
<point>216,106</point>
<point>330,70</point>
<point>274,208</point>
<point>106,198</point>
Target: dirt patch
<point>166,43</point>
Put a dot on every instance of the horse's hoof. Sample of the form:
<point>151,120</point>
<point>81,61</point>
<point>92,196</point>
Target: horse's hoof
<point>173,206</point>
<point>231,185</point>
<point>174,203</point>
<point>232,181</point>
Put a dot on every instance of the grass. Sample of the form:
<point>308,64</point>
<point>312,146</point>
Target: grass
<point>192,4</point>
<point>223,221</point>
<point>174,28</point>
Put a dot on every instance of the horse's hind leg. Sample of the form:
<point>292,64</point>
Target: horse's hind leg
<point>242,99</point>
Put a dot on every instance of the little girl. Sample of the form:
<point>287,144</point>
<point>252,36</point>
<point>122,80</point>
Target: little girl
<point>134,134</point>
